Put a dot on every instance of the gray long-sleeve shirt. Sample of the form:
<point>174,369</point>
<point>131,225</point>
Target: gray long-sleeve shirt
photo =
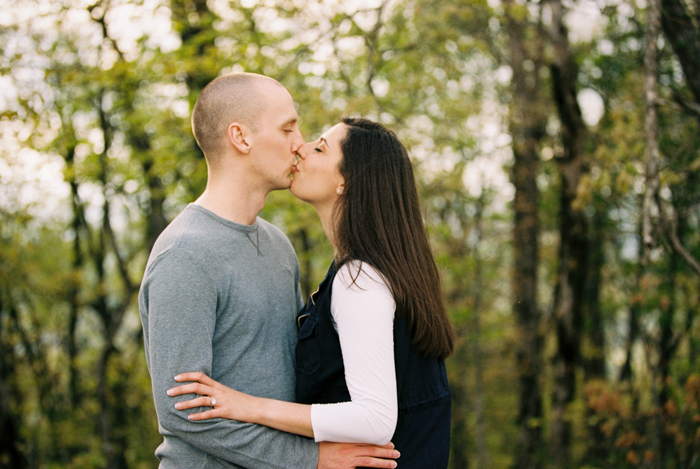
<point>222,298</point>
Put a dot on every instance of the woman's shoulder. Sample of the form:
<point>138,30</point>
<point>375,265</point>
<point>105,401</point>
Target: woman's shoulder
<point>358,275</point>
<point>360,293</point>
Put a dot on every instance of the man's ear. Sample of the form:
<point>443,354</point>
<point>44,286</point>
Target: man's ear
<point>239,136</point>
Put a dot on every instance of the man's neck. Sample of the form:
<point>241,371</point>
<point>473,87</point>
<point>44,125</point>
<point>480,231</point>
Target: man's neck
<point>236,202</point>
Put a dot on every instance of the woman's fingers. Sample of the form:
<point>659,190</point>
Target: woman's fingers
<point>199,383</point>
<point>203,401</point>
<point>209,414</point>
<point>192,388</point>
<point>196,376</point>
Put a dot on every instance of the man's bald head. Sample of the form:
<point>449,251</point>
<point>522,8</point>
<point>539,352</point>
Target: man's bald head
<point>236,97</point>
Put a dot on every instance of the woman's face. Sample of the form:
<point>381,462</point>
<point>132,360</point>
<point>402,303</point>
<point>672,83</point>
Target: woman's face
<point>316,174</point>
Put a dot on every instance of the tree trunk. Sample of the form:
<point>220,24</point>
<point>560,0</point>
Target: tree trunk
<point>74,292</point>
<point>595,330</point>
<point>458,296</point>
<point>666,349</point>
<point>459,454</point>
<point>636,301</point>
<point>156,212</point>
<point>683,32</point>
<point>594,360</point>
<point>651,122</point>
<point>483,459</point>
<point>572,253</point>
<point>527,126</point>
<point>11,456</point>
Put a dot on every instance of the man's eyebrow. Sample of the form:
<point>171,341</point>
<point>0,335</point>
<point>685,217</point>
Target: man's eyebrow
<point>292,120</point>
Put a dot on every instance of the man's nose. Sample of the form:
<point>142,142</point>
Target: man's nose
<point>298,142</point>
<point>301,152</point>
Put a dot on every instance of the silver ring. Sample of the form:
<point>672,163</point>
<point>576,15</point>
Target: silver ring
<point>213,402</point>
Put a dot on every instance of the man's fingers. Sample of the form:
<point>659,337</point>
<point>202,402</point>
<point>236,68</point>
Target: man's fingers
<point>347,455</point>
<point>377,456</point>
<point>374,462</point>
<point>384,452</point>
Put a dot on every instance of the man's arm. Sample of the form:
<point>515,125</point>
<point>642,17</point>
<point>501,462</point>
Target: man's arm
<point>181,301</point>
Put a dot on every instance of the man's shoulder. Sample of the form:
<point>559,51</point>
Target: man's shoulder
<point>189,232</point>
<point>268,226</point>
<point>177,229</point>
<point>274,232</point>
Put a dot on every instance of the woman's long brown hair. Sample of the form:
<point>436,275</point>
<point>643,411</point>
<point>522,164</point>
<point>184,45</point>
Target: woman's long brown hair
<point>378,221</point>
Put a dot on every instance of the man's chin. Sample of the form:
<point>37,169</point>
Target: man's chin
<point>283,186</point>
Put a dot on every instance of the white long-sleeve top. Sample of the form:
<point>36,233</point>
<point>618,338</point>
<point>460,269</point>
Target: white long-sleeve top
<point>363,315</point>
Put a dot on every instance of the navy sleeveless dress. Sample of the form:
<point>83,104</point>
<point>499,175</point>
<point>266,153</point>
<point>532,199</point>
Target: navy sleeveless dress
<point>422,433</point>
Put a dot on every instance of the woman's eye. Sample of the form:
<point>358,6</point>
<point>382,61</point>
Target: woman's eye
<point>317,149</point>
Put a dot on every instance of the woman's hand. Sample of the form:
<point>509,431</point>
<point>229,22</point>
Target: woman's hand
<point>225,402</point>
<point>230,404</point>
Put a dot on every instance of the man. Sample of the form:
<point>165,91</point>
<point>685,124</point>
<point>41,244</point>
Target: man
<point>221,289</point>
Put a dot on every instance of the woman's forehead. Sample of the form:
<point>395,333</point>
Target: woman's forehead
<point>335,134</point>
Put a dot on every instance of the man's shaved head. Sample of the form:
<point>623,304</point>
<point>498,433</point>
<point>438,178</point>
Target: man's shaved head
<point>236,97</point>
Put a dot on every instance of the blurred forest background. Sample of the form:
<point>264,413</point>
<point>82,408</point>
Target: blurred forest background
<point>557,148</point>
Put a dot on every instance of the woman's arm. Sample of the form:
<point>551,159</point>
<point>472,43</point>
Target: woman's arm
<point>231,404</point>
<point>364,316</point>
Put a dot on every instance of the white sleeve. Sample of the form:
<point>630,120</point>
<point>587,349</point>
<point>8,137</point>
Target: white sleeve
<point>364,317</point>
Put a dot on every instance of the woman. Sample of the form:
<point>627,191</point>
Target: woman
<point>373,337</point>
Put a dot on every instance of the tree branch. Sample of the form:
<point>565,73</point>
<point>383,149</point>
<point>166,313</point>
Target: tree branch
<point>689,106</point>
<point>100,19</point>
<point>668,226</point>
<point>371,40</point>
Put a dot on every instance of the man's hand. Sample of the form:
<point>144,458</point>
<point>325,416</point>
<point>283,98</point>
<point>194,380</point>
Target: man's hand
<point>351,455</point>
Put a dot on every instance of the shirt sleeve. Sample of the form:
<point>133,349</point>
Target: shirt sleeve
<point>364,317</point>
<point>181,300</point>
